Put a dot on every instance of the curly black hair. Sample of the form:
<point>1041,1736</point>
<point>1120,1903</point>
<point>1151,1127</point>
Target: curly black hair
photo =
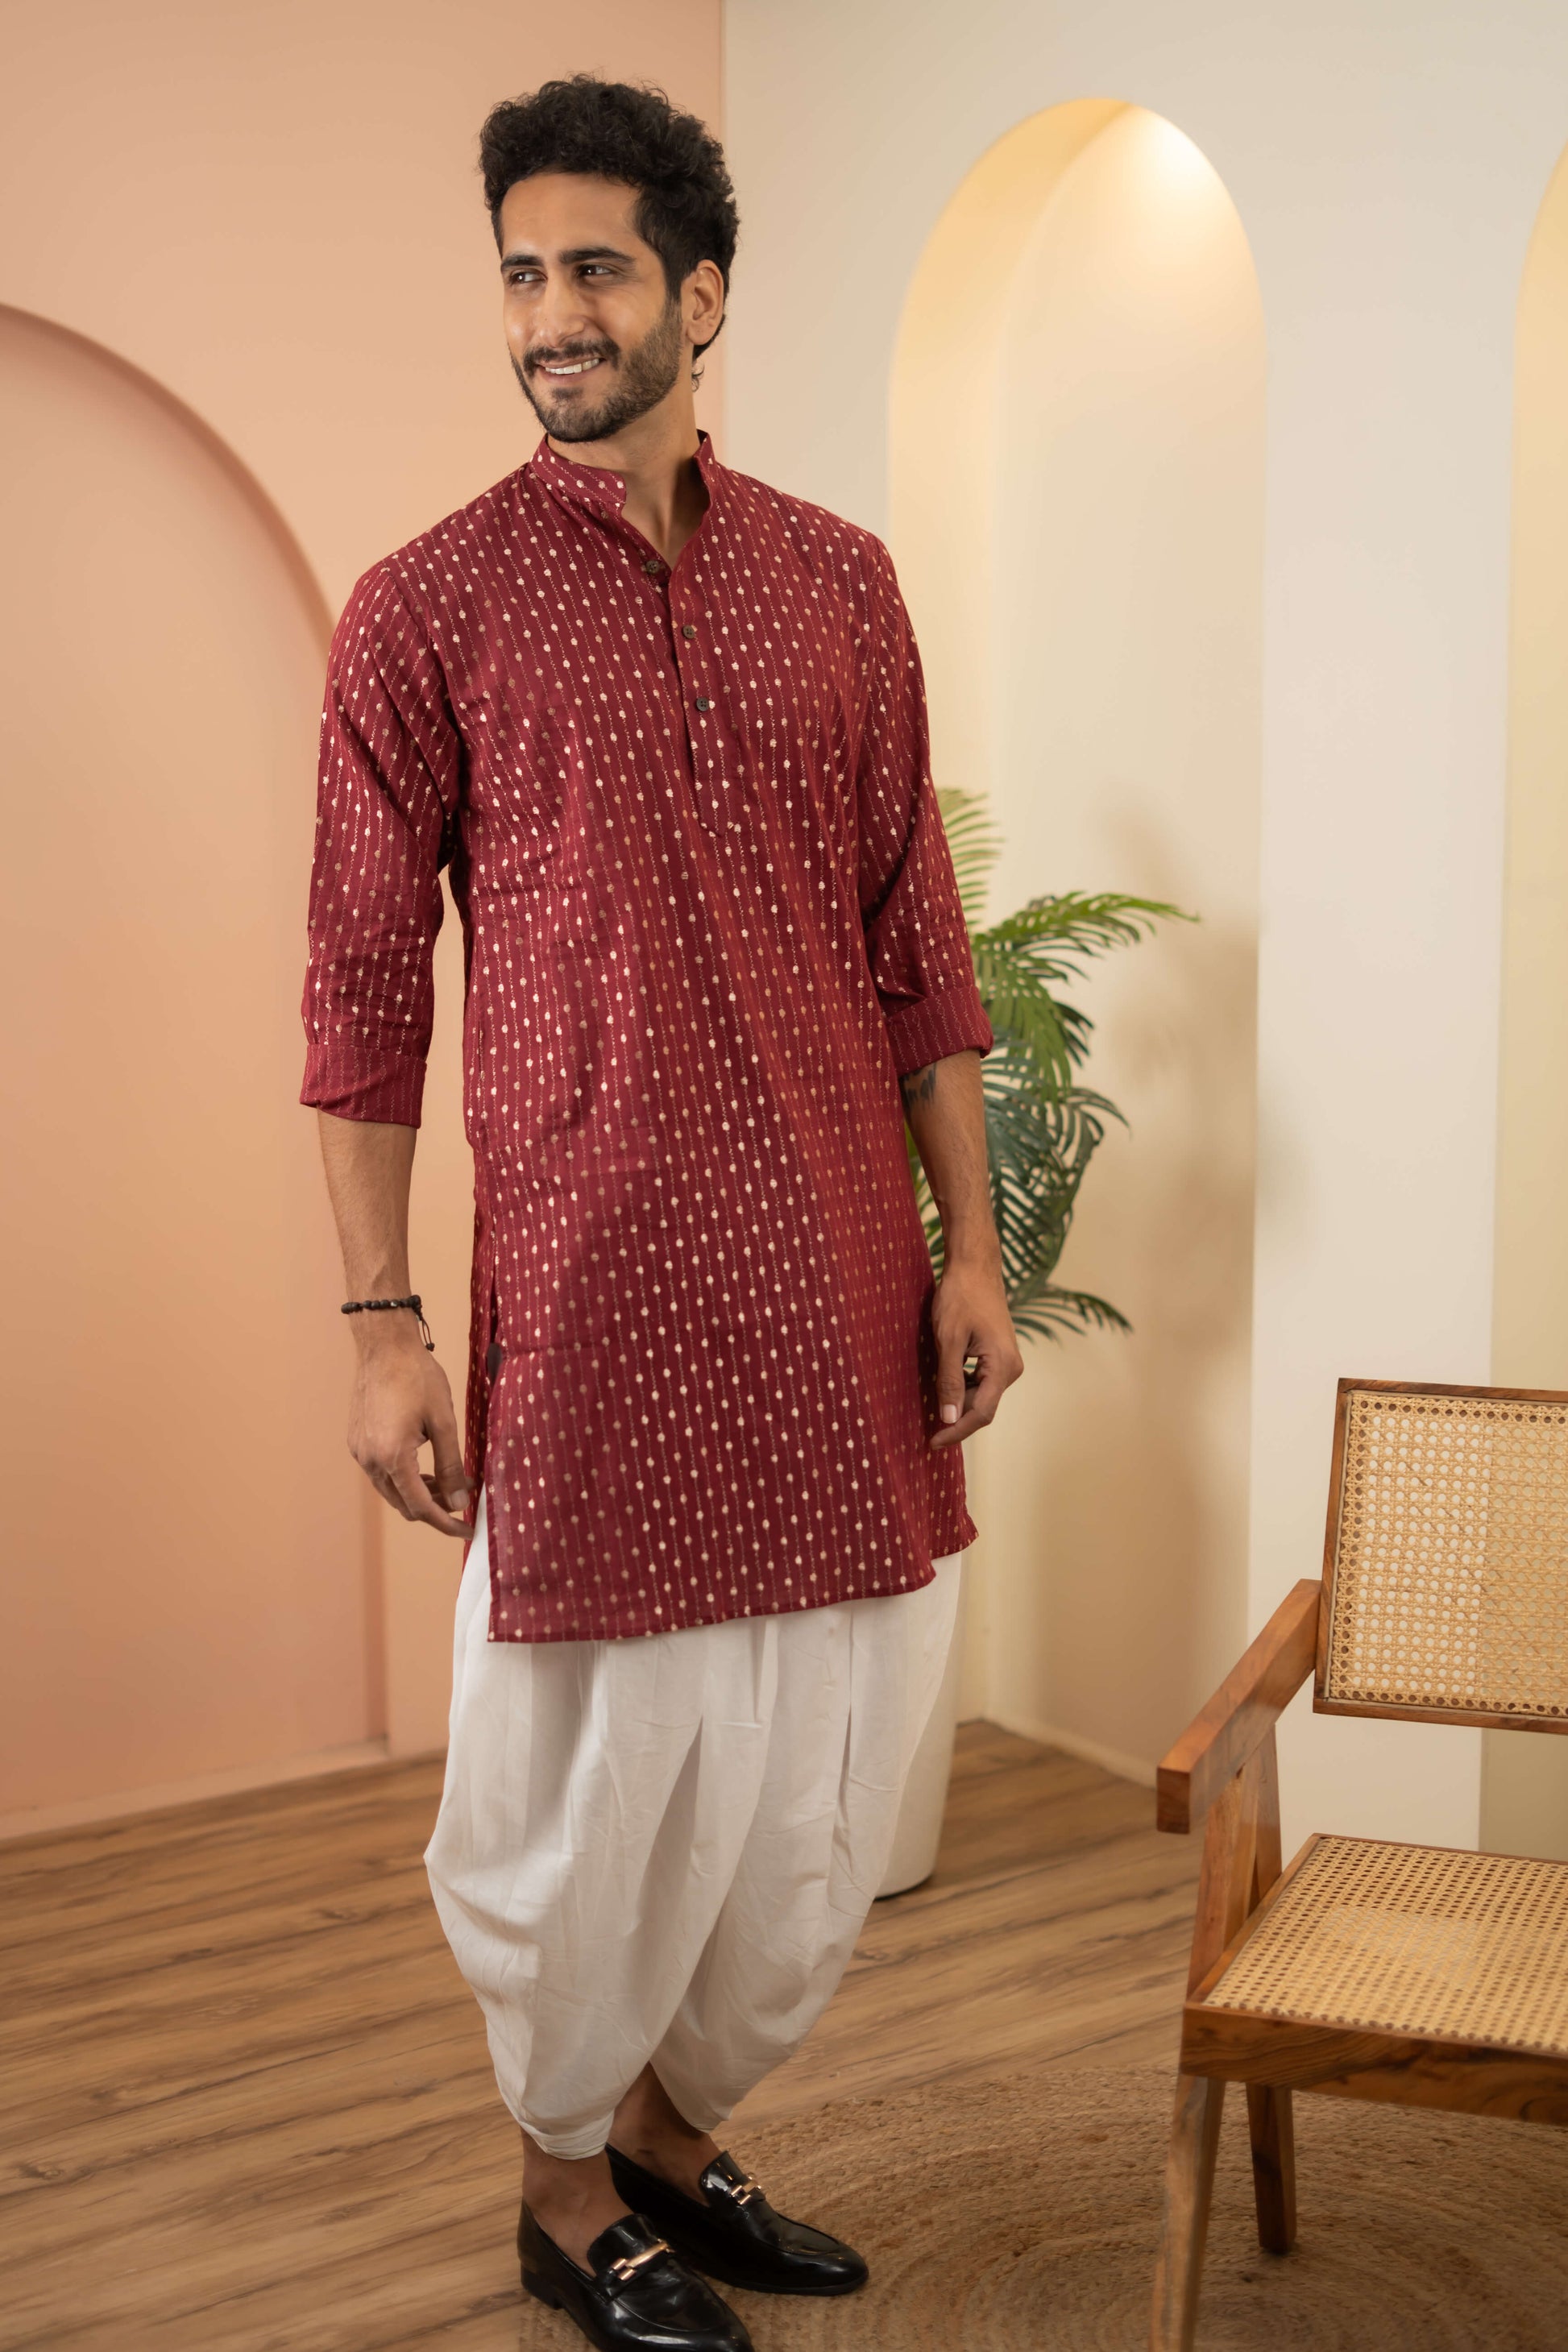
<point>629,132</point>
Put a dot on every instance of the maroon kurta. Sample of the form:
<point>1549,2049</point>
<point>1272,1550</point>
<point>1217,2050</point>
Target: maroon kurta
<point>710,919</point>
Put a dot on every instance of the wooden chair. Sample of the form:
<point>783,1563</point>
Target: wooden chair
<point>1375,1971</point>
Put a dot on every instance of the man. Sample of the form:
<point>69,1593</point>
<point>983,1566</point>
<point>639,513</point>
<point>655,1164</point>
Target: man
<point>664,727</point>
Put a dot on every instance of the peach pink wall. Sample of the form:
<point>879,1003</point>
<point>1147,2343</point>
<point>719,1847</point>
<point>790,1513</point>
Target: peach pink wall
<point>271,213</point>
<point>272,207</point>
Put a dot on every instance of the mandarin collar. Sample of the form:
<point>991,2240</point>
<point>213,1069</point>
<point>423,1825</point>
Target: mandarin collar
<point>600,488</point>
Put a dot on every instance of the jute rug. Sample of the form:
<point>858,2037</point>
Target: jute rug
<point>1021,2217</point>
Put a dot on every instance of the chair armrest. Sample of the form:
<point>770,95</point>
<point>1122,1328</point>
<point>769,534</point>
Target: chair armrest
<point>1248,1702</point>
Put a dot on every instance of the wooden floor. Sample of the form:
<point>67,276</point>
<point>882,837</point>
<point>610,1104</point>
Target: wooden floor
<point>247,2096</point>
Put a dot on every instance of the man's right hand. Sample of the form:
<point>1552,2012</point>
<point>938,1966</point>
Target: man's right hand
<point>401,1398</point>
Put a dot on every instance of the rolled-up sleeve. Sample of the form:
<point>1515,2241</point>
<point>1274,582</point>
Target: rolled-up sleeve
<point>916,939</point>
<point>387,794</point>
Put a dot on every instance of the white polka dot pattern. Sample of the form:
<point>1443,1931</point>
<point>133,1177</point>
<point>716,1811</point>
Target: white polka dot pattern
<point>710,919</point>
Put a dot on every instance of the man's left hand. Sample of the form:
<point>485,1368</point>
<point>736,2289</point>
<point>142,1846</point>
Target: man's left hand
<point>970,1317</point>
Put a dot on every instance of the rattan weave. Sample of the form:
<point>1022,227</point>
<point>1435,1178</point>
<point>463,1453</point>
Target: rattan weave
<point>1450,1585</point>
<point>1416,1940</point>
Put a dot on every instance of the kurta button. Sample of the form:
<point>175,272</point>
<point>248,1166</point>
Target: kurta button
<point>703,703</point>
<point>653,564</point>
<point>687,629</point>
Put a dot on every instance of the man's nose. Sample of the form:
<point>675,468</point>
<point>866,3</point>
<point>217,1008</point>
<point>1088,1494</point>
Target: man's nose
<point>559,316</point>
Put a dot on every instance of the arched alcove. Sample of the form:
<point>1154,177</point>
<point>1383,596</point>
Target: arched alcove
<point>188,1586</point>
<point>1077,416</point>
<point>1524,1781</point>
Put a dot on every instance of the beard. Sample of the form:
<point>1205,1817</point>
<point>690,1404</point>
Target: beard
<point>644,376</point>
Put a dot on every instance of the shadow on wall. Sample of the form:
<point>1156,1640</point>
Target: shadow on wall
<point>1086,583</point>
<point>189,1588</point>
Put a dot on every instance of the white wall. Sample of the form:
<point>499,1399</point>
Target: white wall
<point>1387,164</point>
<point>1129,557</point>
<point>1524,1799</point>
<point>1101,680</point>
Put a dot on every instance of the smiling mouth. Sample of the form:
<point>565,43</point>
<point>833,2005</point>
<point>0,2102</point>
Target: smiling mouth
<point>564,370</point>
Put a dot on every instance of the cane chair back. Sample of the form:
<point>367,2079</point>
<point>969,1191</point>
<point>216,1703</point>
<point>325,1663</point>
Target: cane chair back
<point>1446,1568</point>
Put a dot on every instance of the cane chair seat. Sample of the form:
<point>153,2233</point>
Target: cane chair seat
<point>1411,1940</point>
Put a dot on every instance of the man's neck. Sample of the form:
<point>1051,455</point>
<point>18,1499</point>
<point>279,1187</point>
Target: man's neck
<point>665,497</point>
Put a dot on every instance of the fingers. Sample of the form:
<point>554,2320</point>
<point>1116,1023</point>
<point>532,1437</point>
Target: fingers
<point>982,1394</point>
<point>387,1491</point>
<point>401,1399</point>
<point>449,1484</point>
<point>419,1502</point>
<point>393,1489</point>
<point>971,1322</point>
<point>951,1345</point>
<point>464,1516</point>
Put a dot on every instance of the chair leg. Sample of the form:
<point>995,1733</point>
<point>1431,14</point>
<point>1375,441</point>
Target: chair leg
<point>1272,2125</point>
<point>1189,2186</point>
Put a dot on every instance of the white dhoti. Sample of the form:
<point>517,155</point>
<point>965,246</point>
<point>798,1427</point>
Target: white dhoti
<point>664,1848</point>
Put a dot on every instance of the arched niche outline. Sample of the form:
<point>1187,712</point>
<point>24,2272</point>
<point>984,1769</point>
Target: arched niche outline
<point>178,1612</point>
<point>1111,1497</point>
<point>292,555</point>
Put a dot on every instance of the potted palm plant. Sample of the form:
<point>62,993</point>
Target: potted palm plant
<point>1042,1129</point>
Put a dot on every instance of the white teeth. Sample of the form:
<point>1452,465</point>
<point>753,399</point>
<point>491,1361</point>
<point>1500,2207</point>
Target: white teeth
<point>578,367</point>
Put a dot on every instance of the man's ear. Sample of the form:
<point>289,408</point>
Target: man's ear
<point>723,305</point>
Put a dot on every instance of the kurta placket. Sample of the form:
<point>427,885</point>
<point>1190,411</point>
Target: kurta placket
<point>710,919</point>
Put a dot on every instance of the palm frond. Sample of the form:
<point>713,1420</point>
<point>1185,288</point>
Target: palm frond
<point>1061,931</point>
<point>1042,1128</point>
<point>1051,1311</point>
<point>1020,1005</point>
<point>1019,961</point>
<point>974,845</point>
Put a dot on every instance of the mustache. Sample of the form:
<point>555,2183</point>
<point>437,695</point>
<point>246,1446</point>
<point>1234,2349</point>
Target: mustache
<point>564,358</point>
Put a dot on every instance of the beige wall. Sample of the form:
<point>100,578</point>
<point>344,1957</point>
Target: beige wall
<point>271,212</point>
<point>1387,165</point>
<point>1525,1781</point>
<point>1099,675</point>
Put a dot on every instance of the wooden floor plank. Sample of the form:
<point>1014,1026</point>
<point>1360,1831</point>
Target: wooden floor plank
<point>247,2090</point>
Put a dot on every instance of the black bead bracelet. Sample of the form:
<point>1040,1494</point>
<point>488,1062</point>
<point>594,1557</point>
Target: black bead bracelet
<point>369,1306</point>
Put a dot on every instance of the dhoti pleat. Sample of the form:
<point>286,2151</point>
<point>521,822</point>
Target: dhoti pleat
<point>664,1848</point>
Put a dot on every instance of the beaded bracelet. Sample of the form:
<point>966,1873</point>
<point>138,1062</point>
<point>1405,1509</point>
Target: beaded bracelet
<point>365,1305</point>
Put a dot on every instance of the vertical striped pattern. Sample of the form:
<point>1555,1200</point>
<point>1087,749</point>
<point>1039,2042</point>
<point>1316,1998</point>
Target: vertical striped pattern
<point>710,919</point>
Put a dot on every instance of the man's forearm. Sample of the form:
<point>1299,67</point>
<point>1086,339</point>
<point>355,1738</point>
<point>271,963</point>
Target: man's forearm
<point>369,1166</point>
<point>401,1398</point>
<point>946,1111</point>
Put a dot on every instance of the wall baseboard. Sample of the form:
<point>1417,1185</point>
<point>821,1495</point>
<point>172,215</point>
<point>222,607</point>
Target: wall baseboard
<point>44,1820</point>
<point>1051,1735</point>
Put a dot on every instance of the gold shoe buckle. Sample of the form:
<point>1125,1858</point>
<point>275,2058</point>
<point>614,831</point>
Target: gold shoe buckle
<point>626,2266</point>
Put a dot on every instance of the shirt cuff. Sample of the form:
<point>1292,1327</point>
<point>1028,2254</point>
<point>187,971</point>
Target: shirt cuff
<point>953,1021</point>
<point>359,1082</point>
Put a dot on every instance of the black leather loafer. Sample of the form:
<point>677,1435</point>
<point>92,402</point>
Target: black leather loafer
<point>636,2296</point>
<point>734,2234</point>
